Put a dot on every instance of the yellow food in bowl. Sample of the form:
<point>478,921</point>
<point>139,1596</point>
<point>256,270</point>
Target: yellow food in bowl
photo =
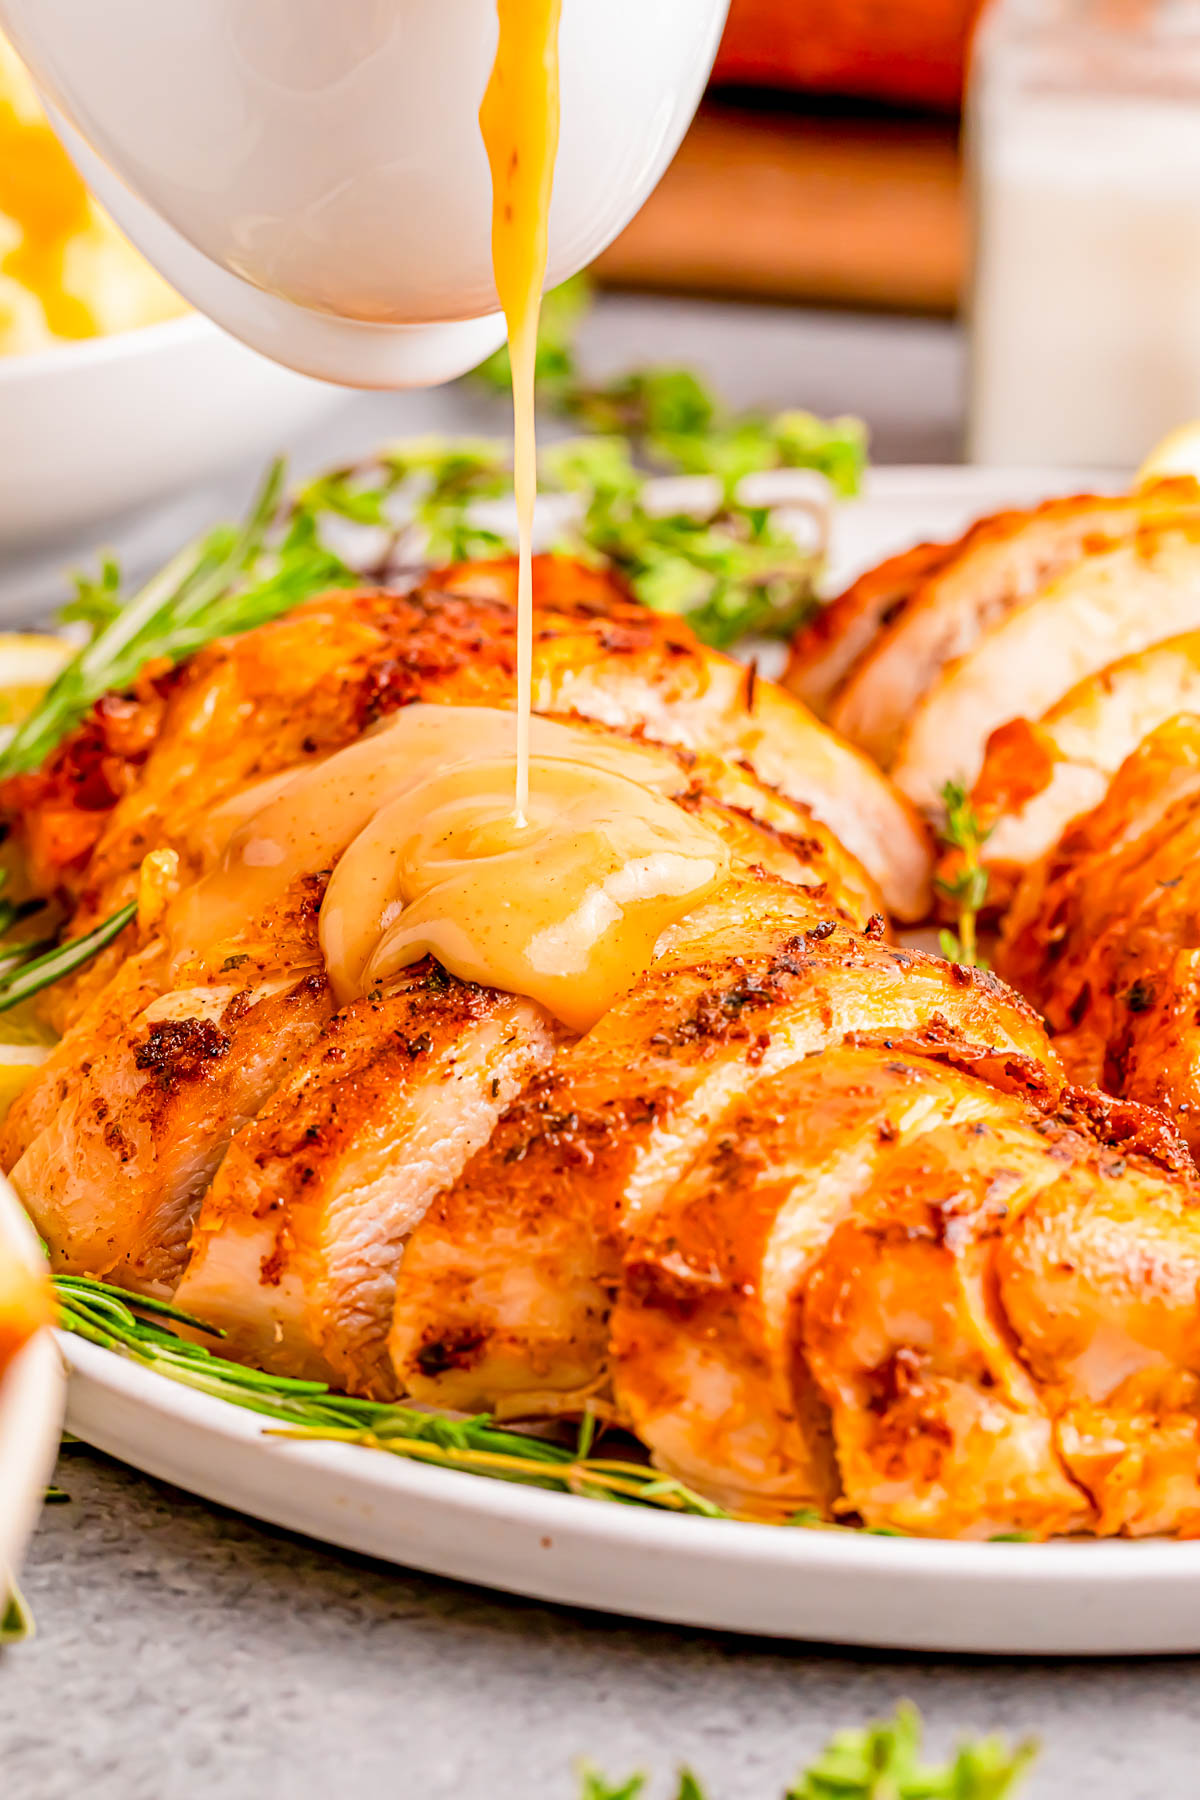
<point>65,270</point>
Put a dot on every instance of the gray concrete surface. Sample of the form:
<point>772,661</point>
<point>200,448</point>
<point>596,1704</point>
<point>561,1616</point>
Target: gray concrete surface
<point>185,1654</point>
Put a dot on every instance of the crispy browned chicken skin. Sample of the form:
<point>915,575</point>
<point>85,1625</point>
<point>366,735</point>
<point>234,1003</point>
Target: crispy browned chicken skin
<point>815,1215</point>
<point>1104,933</point>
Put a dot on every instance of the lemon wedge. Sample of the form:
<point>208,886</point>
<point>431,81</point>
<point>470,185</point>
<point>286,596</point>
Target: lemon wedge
<point>1178,454</point>
<point>29,661</point>
<point>19,1063</point>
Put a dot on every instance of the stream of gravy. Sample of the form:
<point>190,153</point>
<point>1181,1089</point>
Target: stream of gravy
<point>519,123</point>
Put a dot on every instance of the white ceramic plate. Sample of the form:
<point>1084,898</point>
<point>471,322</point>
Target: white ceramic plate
<point>92,429</point>
<point>32,1392</point>
<point>1077,1598</point>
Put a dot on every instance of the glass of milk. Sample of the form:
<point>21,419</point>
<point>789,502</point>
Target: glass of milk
<point>1083,139</point>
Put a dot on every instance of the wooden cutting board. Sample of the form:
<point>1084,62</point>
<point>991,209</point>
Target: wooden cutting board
<point>823,206</point>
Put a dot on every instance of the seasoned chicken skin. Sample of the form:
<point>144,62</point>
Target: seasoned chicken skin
<point>504,1292</point>
<point>1104,932</point>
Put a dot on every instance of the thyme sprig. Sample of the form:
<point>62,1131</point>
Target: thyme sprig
<point>966,887</point>
<point>881,1762</point>
<point>140,1328</point>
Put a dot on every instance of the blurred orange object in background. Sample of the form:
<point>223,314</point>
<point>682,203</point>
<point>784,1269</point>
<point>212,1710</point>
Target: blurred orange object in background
<point>911,52</point>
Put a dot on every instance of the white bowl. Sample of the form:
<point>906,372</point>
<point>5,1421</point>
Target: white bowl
<point>32,1398</point>
<point>98,427</point>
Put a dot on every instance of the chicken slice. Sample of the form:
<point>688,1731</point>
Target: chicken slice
<point>1117,599</point>
<point>807,1320</point>
<point>939,1430</point>
<point>505,1289</point>
<point>1103,932</point>
<point>826,649</point>
<point>1037,778</point>
<point>1098,1279</point>
<point>944,1318</point>
<point>297,1242</point>
<point>114,1177</point>
<point>708,1359</point>
<point>1001,562</point>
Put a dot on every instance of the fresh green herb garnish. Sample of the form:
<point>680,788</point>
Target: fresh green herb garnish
<point>882,1762</point>
<point>106,1315</point>
<point>670,417</point>
<point>731,571</point>
<point>967,888</point>
<point>23,975</point>
<point>728,572</point>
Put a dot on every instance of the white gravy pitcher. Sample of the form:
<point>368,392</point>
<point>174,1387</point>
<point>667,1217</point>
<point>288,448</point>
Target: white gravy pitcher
<point>310,173</point>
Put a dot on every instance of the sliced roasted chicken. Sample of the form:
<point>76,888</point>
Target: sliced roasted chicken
<point>297,1243</point>
<point>1037,778</point>
<point>1103,932</point>
<point>1098,1282</point>
<point>119,1138</point>
<point>982,1329</point>
<point>505,1290</point>
<point>817,1316</point>
<point>145,1113</point>
<point>1113,601</point>
<point>799,1245</point>
<point>1001,562</point>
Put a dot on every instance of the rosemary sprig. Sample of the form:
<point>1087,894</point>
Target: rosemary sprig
<point>881,1762</point>
<point>966,888</point>
<point>23,976</point>
<point>232,578</point>
<point>140,1328</point>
